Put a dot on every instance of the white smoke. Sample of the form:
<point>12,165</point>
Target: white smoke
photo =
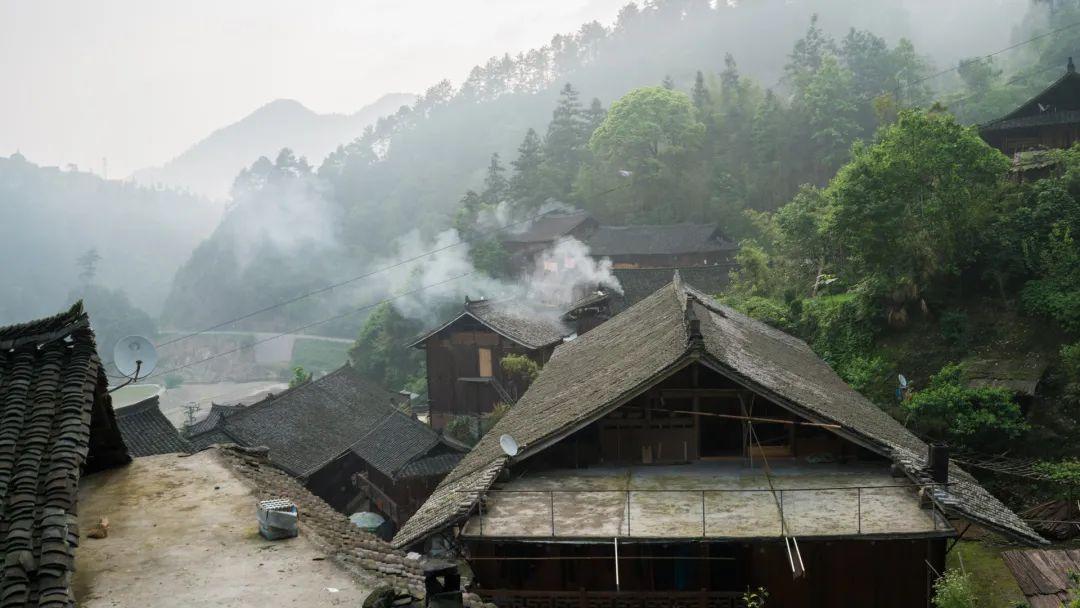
<point>557,276</point>
<point>565,272</point>
<point>293,216</point>
<point>437,279</point>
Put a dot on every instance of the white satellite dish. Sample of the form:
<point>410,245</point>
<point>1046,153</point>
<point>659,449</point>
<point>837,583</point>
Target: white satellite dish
<point>903,381</point>
<point>508,445</point>
<point>135,356</point>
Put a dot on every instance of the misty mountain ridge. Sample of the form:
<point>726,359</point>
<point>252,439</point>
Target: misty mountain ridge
<point>210,166</point>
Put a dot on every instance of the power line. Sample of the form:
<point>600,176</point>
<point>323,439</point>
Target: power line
<point>371,273</point>
<point>308,325</point>
<point>995,53</point>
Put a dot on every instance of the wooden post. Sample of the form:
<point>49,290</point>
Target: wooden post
<point>617,587</point>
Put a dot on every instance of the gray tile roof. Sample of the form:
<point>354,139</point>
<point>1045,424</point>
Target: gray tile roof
<point>147,432</point>
<point>56,422</point>
<point>547,227</point>
<point>590,376</point>
<point>213,419</point>
<point>431,466</point>
<point>307,426</point>
<point>666,239</point>
<point>640,283</point>
<point>513,319</point>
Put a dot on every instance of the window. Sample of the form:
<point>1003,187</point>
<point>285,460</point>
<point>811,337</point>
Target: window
<point>485,363</point>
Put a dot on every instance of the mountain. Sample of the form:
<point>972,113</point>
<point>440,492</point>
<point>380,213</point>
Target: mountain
<point>50,218</point>
<point>209,167</point>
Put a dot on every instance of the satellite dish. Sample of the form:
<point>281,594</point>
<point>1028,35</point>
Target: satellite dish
<point>135,356</point>
<point>903,381</point>
<point>508,445</point>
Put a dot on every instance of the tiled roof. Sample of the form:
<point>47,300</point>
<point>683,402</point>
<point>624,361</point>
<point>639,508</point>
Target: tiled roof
<point>666,239</point>
<point>147,431</point>
<point>213,419</point>
<point>590,376</point>
<point>513,319</point>
<point>431,466</point>
<point>639,283</point>
<point>307,426</point>
<point>548,227</point>
<point>211,438</point>
<point>1043,108</point>
<point>56,421</point>
<point>396,442</point>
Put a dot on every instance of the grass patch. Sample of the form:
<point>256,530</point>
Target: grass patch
<point>319,356</point>
<point>995,586</point>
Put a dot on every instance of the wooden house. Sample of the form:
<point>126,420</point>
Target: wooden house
<point>681,453</point>
<point>1049,120</point>
<point>463,356</point>
<point>662,246</point>
<point>543,232</point>
<point>351,442</point>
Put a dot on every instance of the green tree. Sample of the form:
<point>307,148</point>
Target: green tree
<point>526,185</point>
<point>381,351</point>
<point>88,262</point>
<point>700,93</point>
<point>564,145</point>
<point>299,377</point>
<point>977,418</point>
<point>653,133</point>
<point>906,211</point>
<point>496,187</point>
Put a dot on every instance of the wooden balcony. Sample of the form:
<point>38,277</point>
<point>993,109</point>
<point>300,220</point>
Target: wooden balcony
<point>612,599</point>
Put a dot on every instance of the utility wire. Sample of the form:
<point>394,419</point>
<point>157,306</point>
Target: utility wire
<point>308,325</point>
<point>994,54</point>
<point>371,273</point>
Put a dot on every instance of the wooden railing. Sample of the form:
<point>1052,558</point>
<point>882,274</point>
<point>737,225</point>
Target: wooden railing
<point>612,599</point>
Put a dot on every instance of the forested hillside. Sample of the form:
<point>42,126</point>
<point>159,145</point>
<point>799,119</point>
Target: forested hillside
<point>66,234</point>
<point>210,166</point>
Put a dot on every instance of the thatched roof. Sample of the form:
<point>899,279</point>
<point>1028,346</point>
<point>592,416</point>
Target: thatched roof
<point>593,375</point>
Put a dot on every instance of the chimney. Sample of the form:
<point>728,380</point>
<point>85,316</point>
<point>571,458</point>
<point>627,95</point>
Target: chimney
<point>938,462</point>
<point>442,586</point>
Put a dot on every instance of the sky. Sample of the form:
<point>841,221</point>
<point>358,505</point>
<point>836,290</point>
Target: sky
<point>137,82</point>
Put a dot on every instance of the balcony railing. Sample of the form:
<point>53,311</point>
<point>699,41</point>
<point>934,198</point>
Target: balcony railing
<point>612,599</point>
<point>877,500</point>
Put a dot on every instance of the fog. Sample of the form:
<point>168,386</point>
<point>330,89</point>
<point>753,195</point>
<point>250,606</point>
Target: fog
<point>134,84</point>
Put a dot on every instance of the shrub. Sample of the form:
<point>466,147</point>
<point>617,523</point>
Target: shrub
<point>954,589</point>
<point>979,418</point>
<point>954,327</point>
<point>766,310</point>
<point>1065,474</point>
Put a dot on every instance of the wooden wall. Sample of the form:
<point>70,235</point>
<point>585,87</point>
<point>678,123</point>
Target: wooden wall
<point>454,354</point>
<point>882,574</point>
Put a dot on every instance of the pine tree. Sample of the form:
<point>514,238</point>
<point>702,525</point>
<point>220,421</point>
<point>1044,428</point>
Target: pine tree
<point>700,94</point>
<point>668,83</point>
<point>495,185</point>
<point>525,185</point>
<point>594,116</point>
<point>564,145</point>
